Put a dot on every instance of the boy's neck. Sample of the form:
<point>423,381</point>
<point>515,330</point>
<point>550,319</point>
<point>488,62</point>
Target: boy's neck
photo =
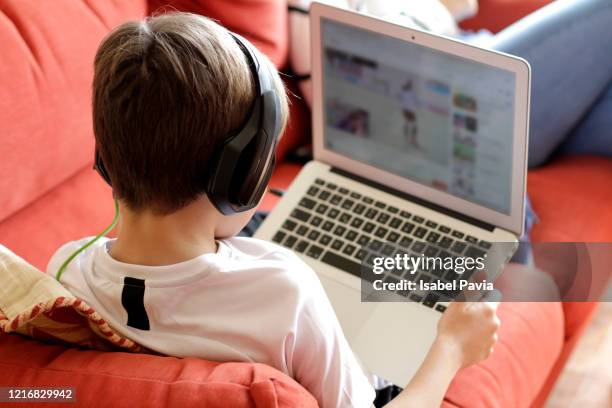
<point>145,238</point>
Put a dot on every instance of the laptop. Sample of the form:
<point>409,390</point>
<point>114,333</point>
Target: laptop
<point>419,141</point>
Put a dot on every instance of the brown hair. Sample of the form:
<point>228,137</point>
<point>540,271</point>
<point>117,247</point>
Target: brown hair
<point>166,92</point>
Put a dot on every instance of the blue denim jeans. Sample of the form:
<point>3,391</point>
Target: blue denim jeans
<point>568,44</point>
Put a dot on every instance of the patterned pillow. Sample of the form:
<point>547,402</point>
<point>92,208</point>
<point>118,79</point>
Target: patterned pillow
<point>34,304</point>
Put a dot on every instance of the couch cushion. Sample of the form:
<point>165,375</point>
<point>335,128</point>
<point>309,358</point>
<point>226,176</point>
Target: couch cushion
<point>81,206</point>
<point>45,104</point>
<point>123,379</point>
<point>530,340</point>
<point>573,198</point>
<point>36,305</point>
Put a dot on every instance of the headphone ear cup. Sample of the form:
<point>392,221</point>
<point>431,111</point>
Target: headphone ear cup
<point>252,189</point>
<point>258,158</point>
<point>266,180</point>
<point>260,188</point>
<point>99,167</point>
<point>243,164</point>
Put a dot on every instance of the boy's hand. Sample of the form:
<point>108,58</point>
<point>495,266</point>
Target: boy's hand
<point>470,330</point>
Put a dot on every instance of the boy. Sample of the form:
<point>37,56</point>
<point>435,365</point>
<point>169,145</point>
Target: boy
<point>167,93</point>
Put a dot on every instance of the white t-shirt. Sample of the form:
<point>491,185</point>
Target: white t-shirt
<point>251,301</point>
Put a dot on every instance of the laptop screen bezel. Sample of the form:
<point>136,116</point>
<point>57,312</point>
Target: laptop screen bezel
<point>512,222</point>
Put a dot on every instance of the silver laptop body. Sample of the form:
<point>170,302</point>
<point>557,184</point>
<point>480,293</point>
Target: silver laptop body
<point>419,141</point>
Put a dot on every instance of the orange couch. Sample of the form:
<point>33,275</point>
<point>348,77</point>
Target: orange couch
<point>50,195</point>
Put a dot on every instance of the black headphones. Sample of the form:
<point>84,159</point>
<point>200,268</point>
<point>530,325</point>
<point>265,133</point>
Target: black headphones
<point>241,167</point>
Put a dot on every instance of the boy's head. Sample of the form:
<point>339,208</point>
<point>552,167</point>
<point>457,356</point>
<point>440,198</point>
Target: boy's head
<point>167,92</point>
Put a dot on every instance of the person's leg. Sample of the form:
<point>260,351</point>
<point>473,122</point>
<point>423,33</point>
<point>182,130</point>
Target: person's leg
<point>569,47</point>
<point>594,134</point>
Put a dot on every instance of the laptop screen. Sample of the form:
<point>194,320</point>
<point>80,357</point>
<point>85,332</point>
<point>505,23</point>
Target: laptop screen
<point>432,117</point>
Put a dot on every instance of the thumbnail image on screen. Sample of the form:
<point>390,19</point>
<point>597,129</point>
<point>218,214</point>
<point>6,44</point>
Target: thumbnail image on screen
<point>435,118</point>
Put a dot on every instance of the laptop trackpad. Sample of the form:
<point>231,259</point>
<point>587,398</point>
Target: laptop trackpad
<point>394,340</point>
<point>346,301</point>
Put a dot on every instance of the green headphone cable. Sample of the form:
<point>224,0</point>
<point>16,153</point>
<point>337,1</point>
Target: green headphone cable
<point>90,243</point>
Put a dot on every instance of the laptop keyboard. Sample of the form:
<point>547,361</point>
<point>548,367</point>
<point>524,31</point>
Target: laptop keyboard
<point>345,229</point>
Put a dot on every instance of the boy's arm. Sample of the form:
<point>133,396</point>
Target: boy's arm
<point>319,357</point>
<point>466,335</point>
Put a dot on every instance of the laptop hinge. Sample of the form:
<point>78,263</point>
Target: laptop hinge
<point>451,213</point>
